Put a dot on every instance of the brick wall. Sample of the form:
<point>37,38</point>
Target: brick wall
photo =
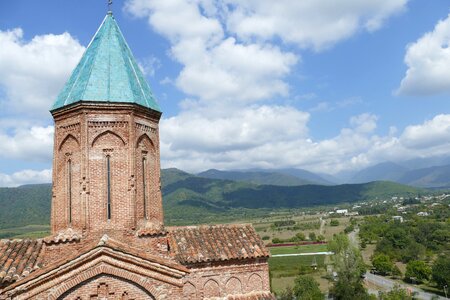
<point>85,138</point>
<point>107,287</point>
<point>226,278</point>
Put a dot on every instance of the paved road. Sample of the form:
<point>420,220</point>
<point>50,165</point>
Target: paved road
<point>303,254</point>
<point>388,284</point>
<point>353,237</point>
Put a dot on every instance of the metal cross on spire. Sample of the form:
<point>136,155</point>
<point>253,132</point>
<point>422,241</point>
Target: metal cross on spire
<point>109,7</point>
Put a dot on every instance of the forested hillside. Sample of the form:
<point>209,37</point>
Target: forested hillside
<point>191,199</point>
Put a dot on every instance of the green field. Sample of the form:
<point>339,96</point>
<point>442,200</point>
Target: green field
<point>30,231</point>
<point>284,269</point>
<point>298,249</point>
<point>288,266</point>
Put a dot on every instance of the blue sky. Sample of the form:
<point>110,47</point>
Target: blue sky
<point>310,84</point>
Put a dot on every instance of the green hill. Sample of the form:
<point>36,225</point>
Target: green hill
<point>256,177</point>
<point>25,205</point>
<point>191,199</point>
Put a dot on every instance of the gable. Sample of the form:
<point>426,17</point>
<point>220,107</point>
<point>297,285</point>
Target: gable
<point>108,258</point>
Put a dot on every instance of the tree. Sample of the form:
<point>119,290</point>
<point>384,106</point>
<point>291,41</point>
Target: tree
<point>312,236</point>
<point>349,229</point>
<point>334,222</point>
<point>396,272</point>
<point>277,241</point>
<point>300,236</point>
<point>287,294</point>
<point>349,267</point>
<point>320,238</point>
<point>417,271</point>
<point>441,271</point>
<point>382,264</point>
<point>397,293</point>
<point>307,288</point>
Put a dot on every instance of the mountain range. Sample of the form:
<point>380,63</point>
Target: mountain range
<point>429,177</point>
<point>283,177</point>
<point>189,198</point>
<point>404,173</point>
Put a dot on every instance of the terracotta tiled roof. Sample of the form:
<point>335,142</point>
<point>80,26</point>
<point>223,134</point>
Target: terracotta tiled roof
<point>195,244</point>
<point>18,258</point>
<point>67,235</point>
<point>151,230</point>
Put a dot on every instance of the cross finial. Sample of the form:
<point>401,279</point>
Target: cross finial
<point>109,7</point>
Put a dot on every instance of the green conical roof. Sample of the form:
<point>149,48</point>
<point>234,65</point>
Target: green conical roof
<point>107,72</point>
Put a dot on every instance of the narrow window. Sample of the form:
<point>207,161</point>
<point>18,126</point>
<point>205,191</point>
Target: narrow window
<point>69,189</point>
<point>108,186</point>
<point>144,185</point>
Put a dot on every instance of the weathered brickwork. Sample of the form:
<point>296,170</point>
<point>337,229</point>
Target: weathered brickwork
<point>107,287</point>
<point>227,278</point>
<point>86,138</point>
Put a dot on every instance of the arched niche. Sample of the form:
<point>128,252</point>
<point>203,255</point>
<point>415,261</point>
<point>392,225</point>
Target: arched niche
<point>211,289</point>
<point>69,143</point>
<point>233,286</point>
<point>255,283</point>
<point>145,143</point>
<point>108,139</point>
<point>189,291</point>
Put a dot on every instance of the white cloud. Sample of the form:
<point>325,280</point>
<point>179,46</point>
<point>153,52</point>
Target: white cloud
<point>235,72</point>
<point>432,133</point>
<point>365,123</point>
<point>213,40</point>
<point>308,23</point>
<point>149,65</point>
<point>265,136</point>
<point>244,129</point>
<point>33,72</point>
<point>28,144</point>
<point>245,140</point>
<point>25,177</point>
<point>216,67</point>
<point>428,61</point>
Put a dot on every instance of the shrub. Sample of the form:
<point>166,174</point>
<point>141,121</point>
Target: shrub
<point>417,271</point>
<point>382,264</point>
<point>277,241</point>
<point>307,288</point>
<point>441,271</point>
<point>334,222</point>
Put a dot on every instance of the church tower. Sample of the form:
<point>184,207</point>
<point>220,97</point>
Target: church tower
<point>106,166</point>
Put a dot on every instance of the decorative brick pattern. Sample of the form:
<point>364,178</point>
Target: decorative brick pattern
<point>233,286</point>
<point>211,289</point>
<point>86,135</point>
<point>106,287</point>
